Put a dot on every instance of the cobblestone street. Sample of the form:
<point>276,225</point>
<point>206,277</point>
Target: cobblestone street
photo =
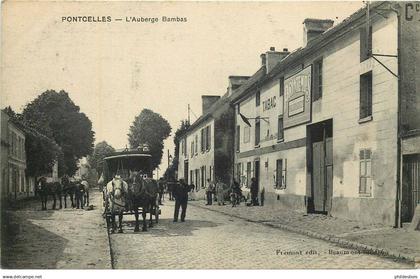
<point>64,239</point>
<point>210,240</point>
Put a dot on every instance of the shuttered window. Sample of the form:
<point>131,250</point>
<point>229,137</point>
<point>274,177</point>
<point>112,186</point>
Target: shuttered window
<point>208,137</point>
<point>365,187</point>
<point>280,182</point>
<point>238,138</point>
<point>202,140</point>
<point>257,132</point>
<point>317,80</point>
<point>280,128</point>
<point>366,95</point>
<point>281,86</point>
<point>257,98</point>
<point>365,43</point>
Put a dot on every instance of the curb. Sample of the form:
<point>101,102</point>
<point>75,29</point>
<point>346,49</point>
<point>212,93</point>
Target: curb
<point>342,242</point>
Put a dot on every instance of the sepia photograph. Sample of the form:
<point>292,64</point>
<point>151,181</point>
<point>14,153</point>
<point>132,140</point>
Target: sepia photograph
<point>210,135</point>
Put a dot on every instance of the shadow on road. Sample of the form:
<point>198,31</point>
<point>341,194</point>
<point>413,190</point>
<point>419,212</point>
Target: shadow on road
<point>26,245</point>
<point>167,228</point>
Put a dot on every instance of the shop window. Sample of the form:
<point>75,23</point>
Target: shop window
<point>280,179</point>
<point>366,95</point>
<point>280,128</point>
<point>365,187</point>
<point>317,83</point>
<point>365,43</point>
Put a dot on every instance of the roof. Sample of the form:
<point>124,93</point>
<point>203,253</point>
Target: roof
<point>315,44</point>
<point>213,108</point>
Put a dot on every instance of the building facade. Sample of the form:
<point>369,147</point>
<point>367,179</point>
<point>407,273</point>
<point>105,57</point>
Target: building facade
<point>329,127</point>
<point>206,148</point>
<point>14,182</point>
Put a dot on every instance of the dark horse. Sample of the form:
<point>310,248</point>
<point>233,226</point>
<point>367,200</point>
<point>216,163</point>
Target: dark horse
<point>46,189</point>
<point>143,192</point>
<point>69,188</point>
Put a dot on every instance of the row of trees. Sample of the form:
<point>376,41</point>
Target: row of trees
<point>55,130</point>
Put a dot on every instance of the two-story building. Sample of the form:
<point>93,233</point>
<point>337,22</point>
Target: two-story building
<point>206,148</point>
<point>14,181</point>
<point>333,127</point>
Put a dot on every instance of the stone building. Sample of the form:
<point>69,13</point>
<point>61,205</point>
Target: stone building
<point>14,182</point>
<point>334,126</point>
<point>206,148</point>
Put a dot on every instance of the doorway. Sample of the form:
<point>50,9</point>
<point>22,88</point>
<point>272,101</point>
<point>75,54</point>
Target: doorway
<point>257,172</point>
<point>410,186</point>
<point>320,166</point>
<point>186,172</point>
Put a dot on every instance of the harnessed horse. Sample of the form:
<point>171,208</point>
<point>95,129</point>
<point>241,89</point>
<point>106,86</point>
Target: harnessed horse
<point>69,188</point>
<point>116,192</point>
<point>143,192</point>
<point>46,189</point>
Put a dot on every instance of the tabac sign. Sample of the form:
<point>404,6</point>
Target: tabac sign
<point>297,98</point>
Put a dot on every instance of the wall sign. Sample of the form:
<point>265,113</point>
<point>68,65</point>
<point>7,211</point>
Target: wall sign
<point>297,98</point>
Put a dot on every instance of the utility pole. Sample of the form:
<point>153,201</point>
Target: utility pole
<point>188,113</point>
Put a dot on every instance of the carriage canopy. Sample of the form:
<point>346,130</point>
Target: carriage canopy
<point>126,161</point>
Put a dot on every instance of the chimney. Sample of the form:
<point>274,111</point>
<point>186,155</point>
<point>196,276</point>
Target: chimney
<point>263,60</point>
<point>208,101</point>
<point>273,57</point>
<point>313,27</point>
<point>235,82</point>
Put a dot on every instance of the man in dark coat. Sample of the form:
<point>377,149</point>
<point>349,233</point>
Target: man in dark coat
<point>180,194</point>
<point>254,191</point>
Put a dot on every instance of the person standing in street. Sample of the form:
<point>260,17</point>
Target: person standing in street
<point>220,191</point>
<point>254,192</point>
<point>180,194</point>
<point>209,191</point>
<point>85,191</point>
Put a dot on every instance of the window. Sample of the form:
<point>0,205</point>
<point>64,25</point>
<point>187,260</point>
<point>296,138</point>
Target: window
<point>248,174</point>
<point>203,141</point>
<point>192,149</point>
<point>365,43</point>
<point>365,187</point>
<point>210,173</point>
<point>317,84</point>
<point>280,182</point>
<point>191,177</point>
<point>208,142</point>
<point>257,98</point>
<point>281,86</point>
<point>238,138</point>
<point>257,132</point>
<point>280,129</point>
<point>247,134</point>
<point>196,145</point>
<point>366,95</point>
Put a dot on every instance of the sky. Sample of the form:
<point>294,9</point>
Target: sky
<point>113,70</point>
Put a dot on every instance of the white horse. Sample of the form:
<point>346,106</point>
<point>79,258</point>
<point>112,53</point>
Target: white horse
<point>116,191</point>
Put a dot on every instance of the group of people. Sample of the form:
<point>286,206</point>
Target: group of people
<point>217,191</point>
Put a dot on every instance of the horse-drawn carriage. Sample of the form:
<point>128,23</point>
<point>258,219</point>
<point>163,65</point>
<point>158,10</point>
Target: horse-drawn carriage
<point>129,187</point>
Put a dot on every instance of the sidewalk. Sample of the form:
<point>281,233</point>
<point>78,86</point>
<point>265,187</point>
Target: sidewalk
<point>386,241</point>
<point>64,239</point>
